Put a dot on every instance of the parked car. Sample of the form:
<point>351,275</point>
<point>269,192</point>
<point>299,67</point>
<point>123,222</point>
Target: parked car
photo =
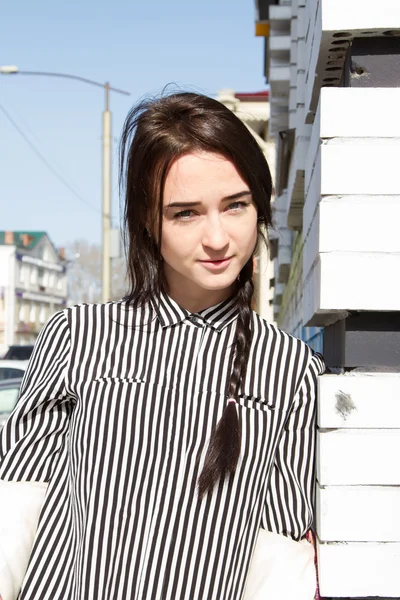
<point>19,352</point>
<point>9,390</point>
<point>12,369</point>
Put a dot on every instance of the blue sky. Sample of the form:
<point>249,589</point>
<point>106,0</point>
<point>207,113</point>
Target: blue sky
<point>137,46</point>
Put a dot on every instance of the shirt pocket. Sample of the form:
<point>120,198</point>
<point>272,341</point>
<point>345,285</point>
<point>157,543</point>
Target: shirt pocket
<point>259,418</point>
<point>118,380</point>
<point>260,403</point>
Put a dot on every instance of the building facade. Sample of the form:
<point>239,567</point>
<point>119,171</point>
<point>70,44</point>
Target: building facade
<point>333,67</point>
<point>33,285</point>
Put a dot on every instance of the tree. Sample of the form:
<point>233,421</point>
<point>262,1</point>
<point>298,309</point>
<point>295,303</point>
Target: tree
<point>84,273</point>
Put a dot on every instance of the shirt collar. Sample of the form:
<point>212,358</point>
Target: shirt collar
<point>219,316</point>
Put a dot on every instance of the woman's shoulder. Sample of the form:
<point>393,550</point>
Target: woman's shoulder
<point>285,343</point>
<point>119,311</point>
<point>98,308</point>
<point>267,328</point>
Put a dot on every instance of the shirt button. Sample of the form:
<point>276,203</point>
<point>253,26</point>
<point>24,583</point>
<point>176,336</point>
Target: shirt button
<point>196,319</point>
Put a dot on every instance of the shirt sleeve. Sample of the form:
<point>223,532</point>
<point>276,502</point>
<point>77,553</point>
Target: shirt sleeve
<point>289,506</point>
<point>35,432</point>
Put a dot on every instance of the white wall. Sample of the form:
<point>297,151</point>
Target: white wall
<point>343,199</point>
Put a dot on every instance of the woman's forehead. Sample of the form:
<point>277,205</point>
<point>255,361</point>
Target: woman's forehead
<point>200,174</point>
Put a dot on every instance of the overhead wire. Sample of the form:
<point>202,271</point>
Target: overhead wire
<point>55,172</point>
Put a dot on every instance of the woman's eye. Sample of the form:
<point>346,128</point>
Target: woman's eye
<point>183,214</point>
<point>237,205</point>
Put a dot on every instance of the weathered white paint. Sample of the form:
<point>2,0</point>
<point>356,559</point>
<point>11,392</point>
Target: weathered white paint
<point>296,179</point>
<point>348,281</point>
<point>340,214</point>
<point>349,182</point>
<point>350,166</point>
<point>359,569</point>
<point>279,43</point>
<point>311,314</point>
<point>361,400</point>
<point>343,281</point>
<point>311,245</point>
<point>356,166</point>
<point>358,457</point>
<point>351,112</point>
<point>278,13</point>
<point>333,214</point>
<point>358,513</point>
<point>314,39</point>
<point>358,15</point>
<point>346,115</point>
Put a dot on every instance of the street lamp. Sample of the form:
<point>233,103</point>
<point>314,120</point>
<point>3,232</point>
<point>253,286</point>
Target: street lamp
<point>106,184</point>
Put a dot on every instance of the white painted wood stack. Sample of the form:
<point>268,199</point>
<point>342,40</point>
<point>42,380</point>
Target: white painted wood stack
<point>342,196</point>
<point>351,212</point>
<point>358,485</point>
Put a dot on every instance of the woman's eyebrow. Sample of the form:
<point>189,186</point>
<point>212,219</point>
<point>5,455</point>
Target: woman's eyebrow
<point>237,195</point>
<point>182,204</point>
<point>196,203</point>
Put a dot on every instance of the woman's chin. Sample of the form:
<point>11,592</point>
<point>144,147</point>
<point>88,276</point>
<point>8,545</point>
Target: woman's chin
<point>217,283</point>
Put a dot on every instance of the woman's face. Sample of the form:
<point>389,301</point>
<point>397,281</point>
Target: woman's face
<point>209,229</point>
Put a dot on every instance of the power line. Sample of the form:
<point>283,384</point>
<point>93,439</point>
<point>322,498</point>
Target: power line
<point>25,124</point>
<point>46,162</point>
<point>28,130</point>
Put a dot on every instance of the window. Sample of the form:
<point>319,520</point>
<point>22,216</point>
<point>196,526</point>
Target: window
<point>42,313</point>
<point>21,315</point>
<point>22,270</point>
<point>46,254</point>
<point>32,313</point>
<point>11,373</point>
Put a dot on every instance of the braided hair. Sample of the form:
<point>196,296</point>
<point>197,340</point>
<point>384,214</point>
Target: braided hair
<point>224,447</point>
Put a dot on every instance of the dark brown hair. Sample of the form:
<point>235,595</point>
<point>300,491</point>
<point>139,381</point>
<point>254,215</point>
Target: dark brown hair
<point>155,133</point>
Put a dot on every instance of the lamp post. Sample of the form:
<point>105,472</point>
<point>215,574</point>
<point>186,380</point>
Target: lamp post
<point>106,177</point>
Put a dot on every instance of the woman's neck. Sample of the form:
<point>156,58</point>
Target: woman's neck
<point>197,300</point>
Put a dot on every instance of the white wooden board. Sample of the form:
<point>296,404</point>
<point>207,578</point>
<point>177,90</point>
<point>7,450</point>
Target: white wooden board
<point>351,112</point>
<point>362,400</point>
<point>376,160</point>
<point>358,457</point>
<point>342,281</point>
<point>358,513</point>
<point>358,570</point>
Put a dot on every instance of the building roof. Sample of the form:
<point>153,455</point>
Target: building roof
<point>252,96</point>
<point>22,239</point>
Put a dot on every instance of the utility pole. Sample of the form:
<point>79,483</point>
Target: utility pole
<point>106,204</point>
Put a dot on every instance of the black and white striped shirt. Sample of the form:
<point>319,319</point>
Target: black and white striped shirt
<point>115,412</point>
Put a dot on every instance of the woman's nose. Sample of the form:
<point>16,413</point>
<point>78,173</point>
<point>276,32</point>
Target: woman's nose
<point>215,235</point>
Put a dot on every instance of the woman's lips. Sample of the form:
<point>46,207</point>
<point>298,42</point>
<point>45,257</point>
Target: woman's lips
<point>215,265</point>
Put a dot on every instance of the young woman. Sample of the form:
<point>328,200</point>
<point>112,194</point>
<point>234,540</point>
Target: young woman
<point>172,426</point>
